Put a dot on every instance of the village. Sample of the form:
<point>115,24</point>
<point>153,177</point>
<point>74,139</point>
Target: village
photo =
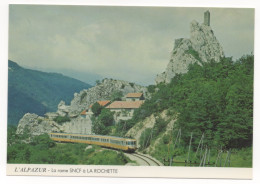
<point>123,110</point>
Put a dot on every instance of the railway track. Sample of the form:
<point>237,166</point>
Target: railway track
<point>144,160</point>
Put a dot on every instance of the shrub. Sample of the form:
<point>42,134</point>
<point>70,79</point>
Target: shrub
<point>132,84</point>
<point>194,53</point>
<point>145,138</point>
<point>83,96</point>
<point>61,119</point>
<point>151,88</point>
<point>166,139</point>
<point>116,96</point>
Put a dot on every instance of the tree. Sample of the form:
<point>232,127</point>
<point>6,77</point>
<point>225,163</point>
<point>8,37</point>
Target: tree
<point>104,122</point>
<point>116,96</point>
<point>96,109</point>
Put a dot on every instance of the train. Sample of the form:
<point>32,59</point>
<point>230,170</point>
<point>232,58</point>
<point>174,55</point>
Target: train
<point>119,143</point>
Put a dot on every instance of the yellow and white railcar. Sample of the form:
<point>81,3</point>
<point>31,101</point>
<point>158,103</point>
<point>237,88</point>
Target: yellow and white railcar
<point>126,144</point>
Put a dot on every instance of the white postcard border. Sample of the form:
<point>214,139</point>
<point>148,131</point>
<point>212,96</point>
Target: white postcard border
<point>239,173</point>
<point>128,171</point>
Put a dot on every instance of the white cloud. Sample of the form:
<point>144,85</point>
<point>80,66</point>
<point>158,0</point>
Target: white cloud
<point>128,43</point>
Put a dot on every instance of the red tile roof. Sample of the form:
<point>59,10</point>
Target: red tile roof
<point>125,104</point>
<point>102,103</point>
<point>134,95</point>
<point>83,112</point>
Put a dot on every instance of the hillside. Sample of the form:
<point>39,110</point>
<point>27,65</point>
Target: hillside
<point>214,100</point>
<point>37,92</point>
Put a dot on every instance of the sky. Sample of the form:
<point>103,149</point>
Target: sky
<point>126,43</point>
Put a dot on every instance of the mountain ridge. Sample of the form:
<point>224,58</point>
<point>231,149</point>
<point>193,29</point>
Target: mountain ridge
<point>42,90</point>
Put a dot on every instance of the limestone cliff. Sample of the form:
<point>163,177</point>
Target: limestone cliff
<point>150,122</point>
<point>36,125</point>
<point>202,46</point>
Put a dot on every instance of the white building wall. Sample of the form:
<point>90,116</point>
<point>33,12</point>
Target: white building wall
<point>79,125</point>
<point>132,99</point>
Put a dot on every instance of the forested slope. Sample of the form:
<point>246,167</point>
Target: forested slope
<point>215,99</point>
<point>37,92</point>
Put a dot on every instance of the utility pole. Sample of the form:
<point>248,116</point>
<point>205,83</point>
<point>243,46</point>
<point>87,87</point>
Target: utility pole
<point>189,148</point>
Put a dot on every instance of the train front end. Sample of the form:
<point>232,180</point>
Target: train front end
<point>131,145</point>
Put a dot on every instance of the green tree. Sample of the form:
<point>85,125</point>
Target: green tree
<point>96,109</point>
<point>116,96</point>
<point>104,122</point>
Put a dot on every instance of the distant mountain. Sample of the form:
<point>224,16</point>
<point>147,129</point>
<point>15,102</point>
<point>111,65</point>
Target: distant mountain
<point>37,92</point>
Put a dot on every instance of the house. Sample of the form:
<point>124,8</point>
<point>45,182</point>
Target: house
<point>103,103</point>
<point>134,96</point>
<point>89,112</point>
<point>124,110</point>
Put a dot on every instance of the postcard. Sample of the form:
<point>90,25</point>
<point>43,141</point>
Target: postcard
<point>130,91</point>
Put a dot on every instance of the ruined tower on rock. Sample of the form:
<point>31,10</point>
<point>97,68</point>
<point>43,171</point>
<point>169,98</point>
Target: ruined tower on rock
<point>202,46</point>
<point>207,18</point>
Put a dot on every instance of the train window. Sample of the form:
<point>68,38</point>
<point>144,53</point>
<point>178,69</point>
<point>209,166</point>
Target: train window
<point>115,141</point>
<point>131,143</point>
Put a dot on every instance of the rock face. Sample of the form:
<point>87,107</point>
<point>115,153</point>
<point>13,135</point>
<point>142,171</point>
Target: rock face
<point>103,91</point>
<point>150,122</point>
<point>37,125</point>
<point>202,46</point>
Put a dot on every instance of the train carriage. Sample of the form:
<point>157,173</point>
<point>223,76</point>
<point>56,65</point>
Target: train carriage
<point>125,144</point>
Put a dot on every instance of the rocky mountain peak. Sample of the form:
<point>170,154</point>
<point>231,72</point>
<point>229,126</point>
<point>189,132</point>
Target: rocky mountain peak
<point>202,46</point>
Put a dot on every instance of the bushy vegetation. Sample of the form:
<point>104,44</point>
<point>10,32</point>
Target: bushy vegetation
<point>116,96</point>
<point>103,124</point>
<point>164,152</point>
<point>42,150</point>
<point>215,99</point>
<point>61,119</point>
<point>96,109</point>
<point>108,157</point>
<point>194,53</point>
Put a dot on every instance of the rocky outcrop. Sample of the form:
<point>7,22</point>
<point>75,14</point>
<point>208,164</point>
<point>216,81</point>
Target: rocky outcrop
<point>202,46</point>
<point>103,91</point>
<point>149,122</point>
<point>37,125</point>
